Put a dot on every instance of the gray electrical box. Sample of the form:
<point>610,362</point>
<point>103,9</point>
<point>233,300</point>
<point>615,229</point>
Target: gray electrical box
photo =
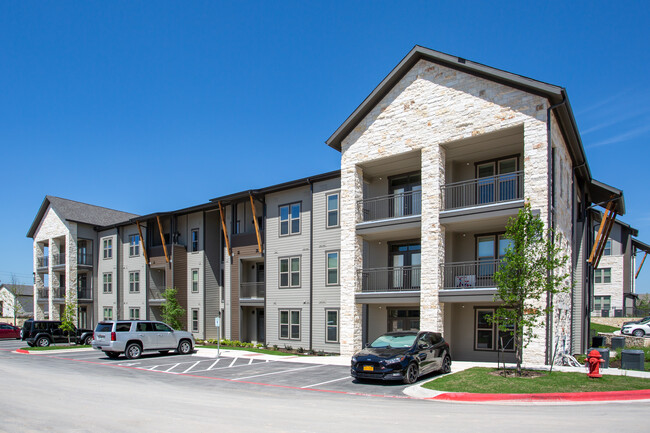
<point>632,359</point>
<point>618,343</point>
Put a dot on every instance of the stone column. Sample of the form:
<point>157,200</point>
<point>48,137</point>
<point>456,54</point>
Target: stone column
<point>53,249</point>
<point>71,269</point>
<point>351,259</point>
<point>432,238</point>
<point>39,312</point>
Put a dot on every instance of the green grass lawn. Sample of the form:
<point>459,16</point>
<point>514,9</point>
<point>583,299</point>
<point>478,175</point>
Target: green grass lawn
<point>596,327</point>
<point>53,347</point>
<point>479,380</point>
<point>251,349</point>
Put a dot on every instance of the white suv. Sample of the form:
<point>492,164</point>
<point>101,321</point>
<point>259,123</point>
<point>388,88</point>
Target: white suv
<point>132,337</point>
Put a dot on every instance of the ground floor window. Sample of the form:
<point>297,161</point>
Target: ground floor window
<point>195,320</point>
<point>487,335</point>
<point>108,313</point>
<point>290,324</point>
<point>403,319</point>
<point>602,302</point>
<point>134,313</point>
<point>332,331</point>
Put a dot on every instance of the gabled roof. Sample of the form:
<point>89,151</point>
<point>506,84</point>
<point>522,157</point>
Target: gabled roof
<point>78,212</point>
<point>555,94</point>
<point>23,290</point>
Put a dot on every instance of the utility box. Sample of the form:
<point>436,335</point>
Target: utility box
<point>618,343</point>
<point>598,341</point>
<point>632,360</point>
<point>604,353</point>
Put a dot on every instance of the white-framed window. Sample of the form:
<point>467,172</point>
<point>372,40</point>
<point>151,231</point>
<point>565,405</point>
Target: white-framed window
<point>290,219</point>
<point>195,240</point>
<point>134,313</point>
<point>488,336</point>
<point>107,279</point>
<point>602,302</point>
<point>195,281</point>
<point>608,248</point>
<point>290,272</point>
<point>290,324</point>
<point>332,210</point>
<point>108,248</point>
<point>134,282</point>
<point>332,326</point>
<point>108,313</point>
<point>195,320</point>
<point>603,276</point>
<point>332,268</point>
<point>134,245</point>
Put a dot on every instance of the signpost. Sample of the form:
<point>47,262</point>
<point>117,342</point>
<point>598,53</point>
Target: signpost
<point>217,323</point>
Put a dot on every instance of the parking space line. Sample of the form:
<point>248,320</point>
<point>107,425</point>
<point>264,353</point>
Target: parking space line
<point>213,364</point>
<point>280,372</point>
<point>150,368</point>
<point>172,367</point>
<point>329,381</point>
<point>233,362</point>
<point>235,366</point>
<point>250,361</point>
<point>193,365</point>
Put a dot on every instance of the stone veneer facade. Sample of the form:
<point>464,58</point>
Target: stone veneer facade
<point>430,107</point>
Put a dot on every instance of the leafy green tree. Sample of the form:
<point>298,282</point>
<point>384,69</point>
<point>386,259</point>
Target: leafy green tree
<point>533,268</point>
<point>69,317</point>
<point>15,306</point>
<point>172,310</point>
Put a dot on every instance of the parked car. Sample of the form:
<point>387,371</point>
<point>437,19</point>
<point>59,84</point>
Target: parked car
<point>402,356</point>
<point>42,333</point>
<point>132,337</point>
<point>631,322</point>
<point>638,329</point>
<point>9,331</point>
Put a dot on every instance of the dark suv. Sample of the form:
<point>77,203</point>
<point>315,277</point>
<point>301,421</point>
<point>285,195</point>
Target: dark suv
<point>42,333</point>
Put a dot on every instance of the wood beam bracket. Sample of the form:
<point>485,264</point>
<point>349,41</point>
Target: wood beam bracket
<point>162,238</point>
<point>225,232</point>
<point>144,250</point>
<point>641,265</point>
<point>257,228</point>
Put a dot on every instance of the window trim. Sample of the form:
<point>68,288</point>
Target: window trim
<point>198,241</point>
<point>131,311</point>
<point>289,272</point>
<point>289,219</point>
<point>110,310</point>
<point>195,329</point>
<point>289,324</point>
<point>107,248</point>
<point>338,210</point>
<point>109,283</point>
<point>495,332</point>
<point>338,322</point>
<point>599,274</point>
<point>132,283</point>
<point>338,268</point>
<point>134,246</point>
<point>192,280</point>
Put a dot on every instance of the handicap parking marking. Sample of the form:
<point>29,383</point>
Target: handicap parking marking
<point>326,382</point>
<point>280,372</point>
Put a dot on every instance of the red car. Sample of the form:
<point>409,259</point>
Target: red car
<point>9,331</point>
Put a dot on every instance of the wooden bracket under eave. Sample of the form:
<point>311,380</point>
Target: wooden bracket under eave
<point>603,233</point>
<point>162,238</point>
<point>144,250</point>
<point>640,266</point>
<point>225,232</point>
<point>257,228</point>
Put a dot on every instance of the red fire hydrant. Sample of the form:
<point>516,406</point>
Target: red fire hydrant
<point>594,359</point>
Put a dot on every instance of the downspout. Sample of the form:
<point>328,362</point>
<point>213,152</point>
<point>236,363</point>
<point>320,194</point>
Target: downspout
<point>266,313</point>
<point>117,278</point>
<point>311,264</point>
<point>551,223</point>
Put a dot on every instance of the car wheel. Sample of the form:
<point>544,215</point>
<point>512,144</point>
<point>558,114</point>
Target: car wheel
<point>638,333</point>
<point>133,351</point>
<point>88,340</point>
<point>112,355</point>
<point>412,373</point>
<point>446,365</point>
<point>43,342</point>
<point>184,347</point>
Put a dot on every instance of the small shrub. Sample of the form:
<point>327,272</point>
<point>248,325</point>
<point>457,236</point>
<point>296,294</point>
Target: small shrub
<point>301,350</point>
<point>275,347</point>
<point>288,348</point>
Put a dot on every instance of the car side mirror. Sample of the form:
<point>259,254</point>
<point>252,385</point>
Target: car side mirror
<point>367,345</point>
<point>423,346</point>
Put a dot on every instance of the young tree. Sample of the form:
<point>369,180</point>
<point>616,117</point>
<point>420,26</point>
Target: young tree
<point>68,318</point>
<point>171,309</point>
<point>533,267</point>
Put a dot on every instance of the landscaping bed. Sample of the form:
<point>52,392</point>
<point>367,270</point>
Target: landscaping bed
<point>259,348</point>
<point>489,381</point>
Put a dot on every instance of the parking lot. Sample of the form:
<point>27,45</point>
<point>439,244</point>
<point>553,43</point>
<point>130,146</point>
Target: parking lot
<point>244,367</point>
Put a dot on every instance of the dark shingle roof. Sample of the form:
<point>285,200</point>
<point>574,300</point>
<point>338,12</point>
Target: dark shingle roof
<point>23,290</point>
<point>79,212</point>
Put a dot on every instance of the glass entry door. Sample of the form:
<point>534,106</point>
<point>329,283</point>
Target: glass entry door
<point>405,262</point>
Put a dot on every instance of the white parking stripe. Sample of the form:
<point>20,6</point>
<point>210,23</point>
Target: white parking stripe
<point>172,367</point>
<point>193,365</point>
<point>329,381</point>
<point>279,372</point>
<point>235,366</point>
<point>150,368</point>
<point>250,362</point>
<point>233,362</point>
<point>213,364</point>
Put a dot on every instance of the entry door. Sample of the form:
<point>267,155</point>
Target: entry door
<point>406,198</point>
<point>485,185</point>
<point>261,337</point>
<point>405,262</point>
<point>83,317</point>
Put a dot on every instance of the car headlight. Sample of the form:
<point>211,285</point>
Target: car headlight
<point>354,359</point>
<point>395,360</point>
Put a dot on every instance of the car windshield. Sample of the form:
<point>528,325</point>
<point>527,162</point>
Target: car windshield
<point>393,341</point>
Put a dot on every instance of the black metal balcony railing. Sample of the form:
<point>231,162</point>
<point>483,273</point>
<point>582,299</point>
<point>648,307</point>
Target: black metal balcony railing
<point>58,259</point>
<point>44,293</point>
<point>43,262</point>
<point>252,290</point>
<point>58,293</point>
<point>85,259</point>
<point>84,293</point>
<point>395,279</point>
<point>156,293</point>
<point>485,190</point>
<point>391,206</point>
<point>470,275</point>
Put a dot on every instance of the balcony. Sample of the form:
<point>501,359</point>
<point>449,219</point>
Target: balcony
<point>395,279</point>
<point>483,191</point>
<point>84,293</point>
<point>42,262</point>
<point>252,290</point>
<point>58,293</point>
<point>44,293</point>
<point>245,239</point>
<point>84,259</point>
<point>390,206</point>
<point>58,259</point>
<point>155,295</point>
<point>477,274</point>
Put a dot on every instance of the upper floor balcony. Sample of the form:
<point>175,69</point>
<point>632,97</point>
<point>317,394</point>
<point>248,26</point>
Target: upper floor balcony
<point>44,293</point>
<point>398,205</point>
<point>252,291</point>
<point>84,294</point>
<point>483,191</point>
<point>390,279</point>
<point>43,262</point>
<point>84,259</point>
<point>470,280</point>
<point>58,293</point>
<point>58,260</point>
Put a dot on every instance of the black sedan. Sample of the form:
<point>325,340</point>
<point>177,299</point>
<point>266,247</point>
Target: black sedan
<point>404,356</point>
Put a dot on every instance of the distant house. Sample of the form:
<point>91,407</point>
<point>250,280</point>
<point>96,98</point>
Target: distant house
<point>20,295</point>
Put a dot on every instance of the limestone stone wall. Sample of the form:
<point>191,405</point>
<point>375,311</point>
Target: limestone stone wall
<point>615,288</point>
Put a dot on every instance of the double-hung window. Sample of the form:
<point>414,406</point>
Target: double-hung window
<point>134,282</point>
<point>602,302</point>
<point>134,245</point>
<point>333,268</point>
<point>108,313</point>
<point>195,240</point>
<point>290,272</point>
<point>332,210</point>
<point>290,219</point>
<point>290,324</point>
<point>134,313</point>
<point>332,326</point>
<point>195,281</point>
<point>603,276</point>
<point>108,282</point>
<point>608,248</point>
<point>195,320</point>
<point>108,248</point>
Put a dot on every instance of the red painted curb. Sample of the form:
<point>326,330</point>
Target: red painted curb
<point>22,351</point>
<point>640,394</point>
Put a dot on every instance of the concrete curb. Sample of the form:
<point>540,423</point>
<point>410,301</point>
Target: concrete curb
<point>602,396</point>
<point>52,352</point>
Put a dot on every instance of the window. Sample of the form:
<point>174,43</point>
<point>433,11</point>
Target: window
<point>603,276</point>
<point>108,313</point>
<point>195,320</point>
<point>332,268</point>
<point>134,313</point>
<point>195,240</point>
<point>108,248</point>
<point>602,302</point>
<point>134,282</point>
<point>332,331</point>
<point>290,272</point>
<point>108,283</point>
<point>290,219</point>
<point>134,245</point>
<point>497,180</point>
<point>333,210</point>
<point>290,324</point>
<point>195,281</point>
<point>608,248</point>
<point>487,335</point>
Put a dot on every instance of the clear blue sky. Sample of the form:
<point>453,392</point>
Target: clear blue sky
<point>150,106</point>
